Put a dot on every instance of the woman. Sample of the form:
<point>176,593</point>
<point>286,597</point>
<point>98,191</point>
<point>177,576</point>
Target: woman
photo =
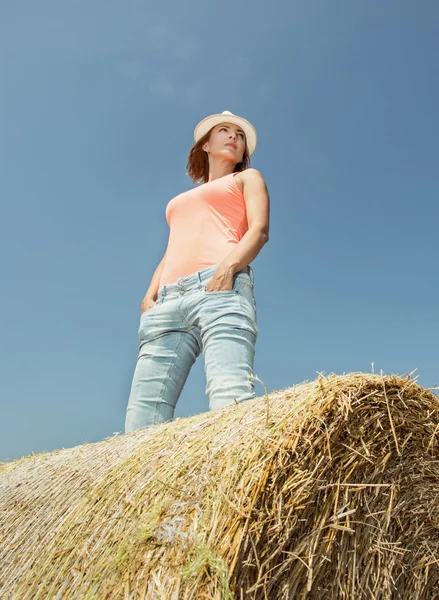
<point>201,296</point>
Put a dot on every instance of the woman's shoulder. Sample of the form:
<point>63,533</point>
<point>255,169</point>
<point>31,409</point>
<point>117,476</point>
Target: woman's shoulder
<point>249,174</point>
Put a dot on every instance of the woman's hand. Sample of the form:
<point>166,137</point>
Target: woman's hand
<point>222,280</point>
<point>147,303</point>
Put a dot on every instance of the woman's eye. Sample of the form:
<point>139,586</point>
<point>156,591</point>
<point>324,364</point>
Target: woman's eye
<point>225,129</point>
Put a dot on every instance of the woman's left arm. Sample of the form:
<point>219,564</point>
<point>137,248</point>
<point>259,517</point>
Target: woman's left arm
<point>257,202</point>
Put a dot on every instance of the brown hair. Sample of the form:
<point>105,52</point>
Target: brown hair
<point>198,163</point>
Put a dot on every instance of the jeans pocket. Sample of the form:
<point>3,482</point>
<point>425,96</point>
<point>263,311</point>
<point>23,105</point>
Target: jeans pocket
<point>239,280</point>
<point>148,310</point>
<point>245,290</point>
<point>218,292</point>
<point>145,320</point>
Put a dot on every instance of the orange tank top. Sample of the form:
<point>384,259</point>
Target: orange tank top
<point>205,223</point>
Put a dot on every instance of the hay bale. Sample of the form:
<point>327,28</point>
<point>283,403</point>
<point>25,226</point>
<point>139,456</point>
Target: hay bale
<point>325,490</point>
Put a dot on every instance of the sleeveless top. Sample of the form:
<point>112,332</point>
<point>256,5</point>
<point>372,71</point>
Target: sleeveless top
<point>205,224</point>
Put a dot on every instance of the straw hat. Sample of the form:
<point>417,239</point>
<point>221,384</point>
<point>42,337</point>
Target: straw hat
<point>228,117</point>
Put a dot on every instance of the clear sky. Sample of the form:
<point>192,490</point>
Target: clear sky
<point>97,109</point>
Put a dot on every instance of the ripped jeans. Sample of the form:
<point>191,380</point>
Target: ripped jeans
<point>185,321</point>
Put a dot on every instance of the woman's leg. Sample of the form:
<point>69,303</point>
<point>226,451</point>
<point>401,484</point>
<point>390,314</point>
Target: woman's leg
<point>229,332</point>
<point>167,352</point>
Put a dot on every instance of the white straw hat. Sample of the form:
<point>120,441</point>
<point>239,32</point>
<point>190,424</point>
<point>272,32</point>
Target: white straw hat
<point>227,117</point>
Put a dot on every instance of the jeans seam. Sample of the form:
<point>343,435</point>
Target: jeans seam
<point>167,376</point>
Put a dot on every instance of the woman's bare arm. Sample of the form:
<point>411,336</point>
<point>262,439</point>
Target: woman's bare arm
<point>151,293</point>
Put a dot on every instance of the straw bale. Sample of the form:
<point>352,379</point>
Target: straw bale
<point>325,490</point>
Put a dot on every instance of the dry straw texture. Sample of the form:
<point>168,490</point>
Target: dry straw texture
<point>325,490</point>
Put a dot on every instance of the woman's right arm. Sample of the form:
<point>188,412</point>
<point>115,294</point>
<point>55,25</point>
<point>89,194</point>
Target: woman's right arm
<point>151,295</point>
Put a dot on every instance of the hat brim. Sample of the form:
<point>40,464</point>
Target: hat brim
<point>206,125</point>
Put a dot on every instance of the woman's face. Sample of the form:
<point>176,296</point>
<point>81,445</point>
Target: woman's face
<point>226,141</point>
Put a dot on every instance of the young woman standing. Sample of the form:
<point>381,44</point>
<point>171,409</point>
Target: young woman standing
<point>201,296</point>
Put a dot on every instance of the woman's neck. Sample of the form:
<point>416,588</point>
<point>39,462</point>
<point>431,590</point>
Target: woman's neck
<point>218,171</point>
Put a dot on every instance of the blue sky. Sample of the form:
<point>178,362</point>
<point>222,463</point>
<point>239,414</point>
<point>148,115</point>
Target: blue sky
<point>98,105</point>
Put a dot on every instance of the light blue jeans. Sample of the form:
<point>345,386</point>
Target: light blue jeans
<point>185,321</point>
